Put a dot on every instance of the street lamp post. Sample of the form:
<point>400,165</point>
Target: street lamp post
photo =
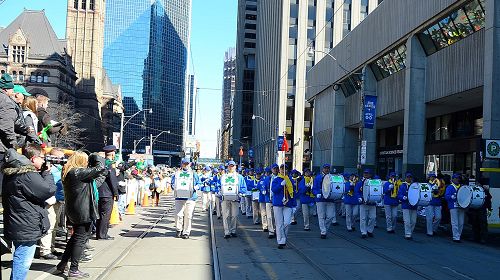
<point>122,126</point>
<point>151,141</point>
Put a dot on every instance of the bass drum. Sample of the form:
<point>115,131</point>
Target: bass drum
<point>326,186</point>
<point>419,194</point>
<point>337,188</point>
<point>372,191</point>
<point>478,197</point>
<point>464,196</point>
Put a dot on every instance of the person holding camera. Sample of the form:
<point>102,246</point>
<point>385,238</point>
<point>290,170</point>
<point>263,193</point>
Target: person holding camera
<point>27,185</point>
<point>108,192</point>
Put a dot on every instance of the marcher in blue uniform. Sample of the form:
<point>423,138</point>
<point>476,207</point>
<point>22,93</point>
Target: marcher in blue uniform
<point>255,196</point>
<point>306,198</point>
<point>185,179</point>
<point>205,188</point>
<point>265,202</point>
<point>250,180</point>
<point>325,207</point>
<point>456,212</point>
<point>283,198</point>
<point>351,202</point>
<point>232,184</point>
<point>433,210</point>
<point>367,211</point>
<point>295,178</point>
<point>391,202</point>
<point>409,211</point>
<point>215,189</point>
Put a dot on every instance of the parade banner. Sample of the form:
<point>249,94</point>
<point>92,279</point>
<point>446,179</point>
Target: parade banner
<point>369,111</point>
<point>280,142</point>
<point>116,139</point>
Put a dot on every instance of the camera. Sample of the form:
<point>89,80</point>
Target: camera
<point>56,160</point>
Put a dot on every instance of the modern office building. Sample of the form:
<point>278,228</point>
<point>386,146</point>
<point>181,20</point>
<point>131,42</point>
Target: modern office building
<point>191,106</point>
<point>229,89</point>
<point>85,35</point>
<point>145,51</point>
<point>434,72</point>
<point>245,76</point>
<point>286,31</point>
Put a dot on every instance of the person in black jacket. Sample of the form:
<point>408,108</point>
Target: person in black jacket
<point>7,119</point>
<point>80,206</point>
<point>108,192</point>
<point>28,183</point>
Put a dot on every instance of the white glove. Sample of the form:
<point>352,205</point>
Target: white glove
<point>196,187</point>
<point>51,201</point>
<point>122,183</point>
<point>318,195</point>
<point>264,192</point>
<point>453,197</point>
<point>391,187</point>
<point>405,198</point>
<point>360,200</point>
<point>240,195</point>
<point>283,183</point>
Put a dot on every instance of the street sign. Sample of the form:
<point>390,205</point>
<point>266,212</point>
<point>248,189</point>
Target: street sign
<point>492,149</point>
<point>363,152</point>
<point>369,111</point>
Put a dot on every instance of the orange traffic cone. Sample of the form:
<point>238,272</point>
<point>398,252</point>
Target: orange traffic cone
<point>145,200</point>
<point>115,216</point>
<point>131,206</point>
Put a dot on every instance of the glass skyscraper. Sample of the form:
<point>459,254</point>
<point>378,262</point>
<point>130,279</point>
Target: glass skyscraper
<point>146,51</point>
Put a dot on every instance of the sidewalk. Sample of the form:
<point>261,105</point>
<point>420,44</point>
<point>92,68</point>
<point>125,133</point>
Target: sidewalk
<point>150,256</point>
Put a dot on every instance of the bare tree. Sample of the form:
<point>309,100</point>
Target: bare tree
<point>71,136</point>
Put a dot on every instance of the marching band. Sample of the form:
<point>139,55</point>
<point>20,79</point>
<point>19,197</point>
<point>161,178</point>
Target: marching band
<point>273,197</point>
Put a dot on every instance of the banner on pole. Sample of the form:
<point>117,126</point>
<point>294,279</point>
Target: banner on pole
<point>116,139</point>
<point>280,142</point>
<point>369,111</point>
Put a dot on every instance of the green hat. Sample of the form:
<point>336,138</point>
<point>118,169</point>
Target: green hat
<point>6,81</point>
<point>21,89</point>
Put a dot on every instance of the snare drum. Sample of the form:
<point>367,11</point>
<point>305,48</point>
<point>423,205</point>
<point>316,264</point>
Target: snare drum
<point>372,191</point>
<point>472,197</point>
<point>419,194</point>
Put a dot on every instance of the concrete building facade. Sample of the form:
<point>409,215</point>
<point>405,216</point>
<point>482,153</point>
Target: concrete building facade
<point>433,70</point>
<point>191,106</point>
<point>286,31</point>
<point>85,35</point>
<point>228,92</point>
<point>36,58</point>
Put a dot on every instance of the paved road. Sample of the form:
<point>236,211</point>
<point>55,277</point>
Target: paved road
<point>137,255</point>
<point>345,255</point>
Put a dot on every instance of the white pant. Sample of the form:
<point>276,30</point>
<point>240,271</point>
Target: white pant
<point>283,216</point>
<point>457,222</point>
<point>339,206</point>
<point>391,216</point>
<point>410,219</point>
<point>267,208</point>
<point>206,200</point>
<point>248,204</point>
<point>326,215</point>
<point>307,211</point>
<point>256,211</point>
<point>47,242</point>
<point>263,214</point>
<point>433,218</point>
<point>218,206</point>
<point>351,214</point>
<point>367,216</point>
<point>184,215</point>
<point>212,200</point>
<point>296,210</point>
<point>243,205</point>
<point>229,216</point>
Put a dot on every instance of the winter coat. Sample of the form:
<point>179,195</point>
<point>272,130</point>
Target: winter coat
<point>318,189</point>
<point>80,200</point>
<point>305,192</point>
<point>351,197</point>
<point>24,193</point>
<point>279,193</point>
<point>7,119</point>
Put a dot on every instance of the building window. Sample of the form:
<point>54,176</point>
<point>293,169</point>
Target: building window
<point>91,5</point>
<point>84,4</point>
<point>21,76</point>
<point>250,26</point>
<point>251,17</point>
<point>14,76</point>
<point>364,9</point>
<point>75,4</point>
<point>18,54</point>
<point>347,18</point>
<point>45,78</point>
<point>390,63</point>
<point>33,77</point>
<point>452,28</point>
<point>250,35</point>
<point>249,45</point>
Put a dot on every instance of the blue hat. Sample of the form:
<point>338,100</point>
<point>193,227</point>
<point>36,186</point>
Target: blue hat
<point>215,170</point>
<point>431,174</point>
<point>326,165</point>
<point>231,162</point>
<point>267,169</point>
<point>368,171</point>
<point>258,170</point>
<point>408,174</point>
<point>275,166</point>
<point>207,168</point>
<point>221,166</point>
<point>392,174</point>
<point>456,176</point>
<point>376,177</point>
<point>109,148</point>
<point>184,161</point>
<point>346,175</point>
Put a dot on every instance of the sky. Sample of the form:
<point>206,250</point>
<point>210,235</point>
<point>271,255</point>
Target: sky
<point>213,31</point>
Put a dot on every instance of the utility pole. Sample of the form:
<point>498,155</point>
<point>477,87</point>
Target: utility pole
<point>151,143</point>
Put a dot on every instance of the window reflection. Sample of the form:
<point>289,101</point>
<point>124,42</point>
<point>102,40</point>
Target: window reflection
<point>390,63</point>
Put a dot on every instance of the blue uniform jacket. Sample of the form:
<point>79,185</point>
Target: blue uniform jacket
<point>278,194</point>
<point>435,201</point>
<point>215,184</point>
<point>402,192</point>
<point>205,180</point>
<point>250,184</point>
<point>350,199</point>
<point>196,184</point>
<point>56,173</point>
<point>450,191</point>
<point>265,188</point>
<point>318,189</point>
<point>303,193</point>
<point>388,200</point>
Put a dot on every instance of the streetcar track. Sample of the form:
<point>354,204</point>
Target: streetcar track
<point>215,255</point>
<point>109,269</point>
<point>308,260</point>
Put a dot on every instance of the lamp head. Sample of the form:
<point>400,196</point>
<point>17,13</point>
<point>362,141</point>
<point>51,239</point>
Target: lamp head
<point>253,117</point>
<point>310,51</point>
<point>150,111</point>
